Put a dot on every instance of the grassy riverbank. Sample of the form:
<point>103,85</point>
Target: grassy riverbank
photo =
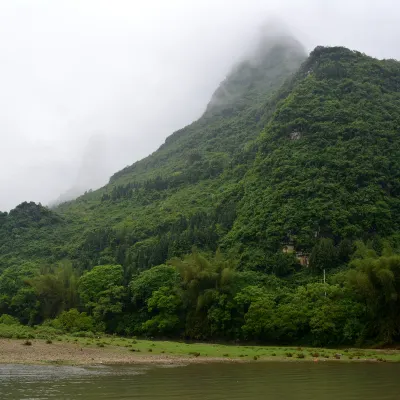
<point>66,349</point>
<point>44,344</point>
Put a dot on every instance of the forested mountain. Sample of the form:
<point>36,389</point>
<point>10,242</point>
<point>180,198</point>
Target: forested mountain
<point>164,204</point>
<point>328,161</point>
<point>223,232</point>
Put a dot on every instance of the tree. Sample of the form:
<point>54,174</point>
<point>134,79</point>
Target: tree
<point>147,282</point>
<point>323,255</point>
<point>376,282</point>
<point>16,296</point>
<point>204,284</point>
<point>164,306</point>
<point>50,293</point>
<point>102,293</point>
<point>56,290</point>
<point>258,309</point>
<point>284,264</point>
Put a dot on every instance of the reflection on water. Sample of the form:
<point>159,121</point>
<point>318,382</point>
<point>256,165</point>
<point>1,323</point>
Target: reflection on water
<point>256,381</point>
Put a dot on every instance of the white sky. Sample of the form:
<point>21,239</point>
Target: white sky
<point>107,81</point>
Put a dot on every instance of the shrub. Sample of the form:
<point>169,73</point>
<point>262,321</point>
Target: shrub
<point>300,355</point>
<point>19,336</point>
<point>13,331</point>
<point>9,320</point>
<point>49,341</point>
<point>45,330</point>
<point>27,343</point>
<point>74,321</point>
<point>289,355</point>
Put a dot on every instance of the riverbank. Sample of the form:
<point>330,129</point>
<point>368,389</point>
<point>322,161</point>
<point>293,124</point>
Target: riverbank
<point>70,350</point>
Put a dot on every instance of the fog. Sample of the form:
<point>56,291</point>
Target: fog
<point>90,86</point>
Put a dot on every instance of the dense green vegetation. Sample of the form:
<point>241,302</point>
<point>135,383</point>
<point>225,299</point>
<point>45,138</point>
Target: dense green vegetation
<point>188,243</point>
<point>199,298</point>
<point>328,161</point>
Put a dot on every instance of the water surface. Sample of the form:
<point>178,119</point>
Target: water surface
<point>255,381</point>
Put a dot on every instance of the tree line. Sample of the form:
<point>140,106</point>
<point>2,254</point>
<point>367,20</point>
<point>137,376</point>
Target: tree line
<point>206,297</point>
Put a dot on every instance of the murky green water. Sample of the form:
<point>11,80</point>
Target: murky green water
<point>283,381</point>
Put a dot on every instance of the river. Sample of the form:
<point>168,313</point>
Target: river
<point>253,381</point>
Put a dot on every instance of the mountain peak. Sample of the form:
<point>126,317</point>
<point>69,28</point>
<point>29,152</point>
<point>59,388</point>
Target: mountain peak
<point>273,55</point>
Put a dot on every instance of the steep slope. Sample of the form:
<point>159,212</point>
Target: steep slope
<point>323,174</point>
<point>28,231</point>
<point>180,195</point>
<point>328,163</point>
<point>232,117</point>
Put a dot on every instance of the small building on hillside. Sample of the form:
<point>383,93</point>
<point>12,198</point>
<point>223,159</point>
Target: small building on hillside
<point>303,258</point>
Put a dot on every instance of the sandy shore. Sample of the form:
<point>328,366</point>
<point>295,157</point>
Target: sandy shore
<point>15,352</point>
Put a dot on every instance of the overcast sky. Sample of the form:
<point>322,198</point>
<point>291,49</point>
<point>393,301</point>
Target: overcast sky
<point>90,86</point>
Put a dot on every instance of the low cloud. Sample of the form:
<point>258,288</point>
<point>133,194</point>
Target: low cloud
<point>91,86</point>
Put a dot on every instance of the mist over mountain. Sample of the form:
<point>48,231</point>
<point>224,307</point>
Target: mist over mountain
<point>137,72</point>
<point>265,59</point>
<point>96,164</point>
<point>290,174</point>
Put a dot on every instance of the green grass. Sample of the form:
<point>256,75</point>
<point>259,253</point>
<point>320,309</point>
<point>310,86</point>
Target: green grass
<point>181,349</point>
<point>242,352</point>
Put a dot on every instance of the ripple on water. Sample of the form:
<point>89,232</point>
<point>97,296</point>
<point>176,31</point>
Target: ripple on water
<point>255,381</point>
<point>29,373</point>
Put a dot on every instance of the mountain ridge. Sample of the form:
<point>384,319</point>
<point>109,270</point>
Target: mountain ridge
<point>344,109</point>
<point>200,239</point>
<point>196,155</point>
<point>292,52</point>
